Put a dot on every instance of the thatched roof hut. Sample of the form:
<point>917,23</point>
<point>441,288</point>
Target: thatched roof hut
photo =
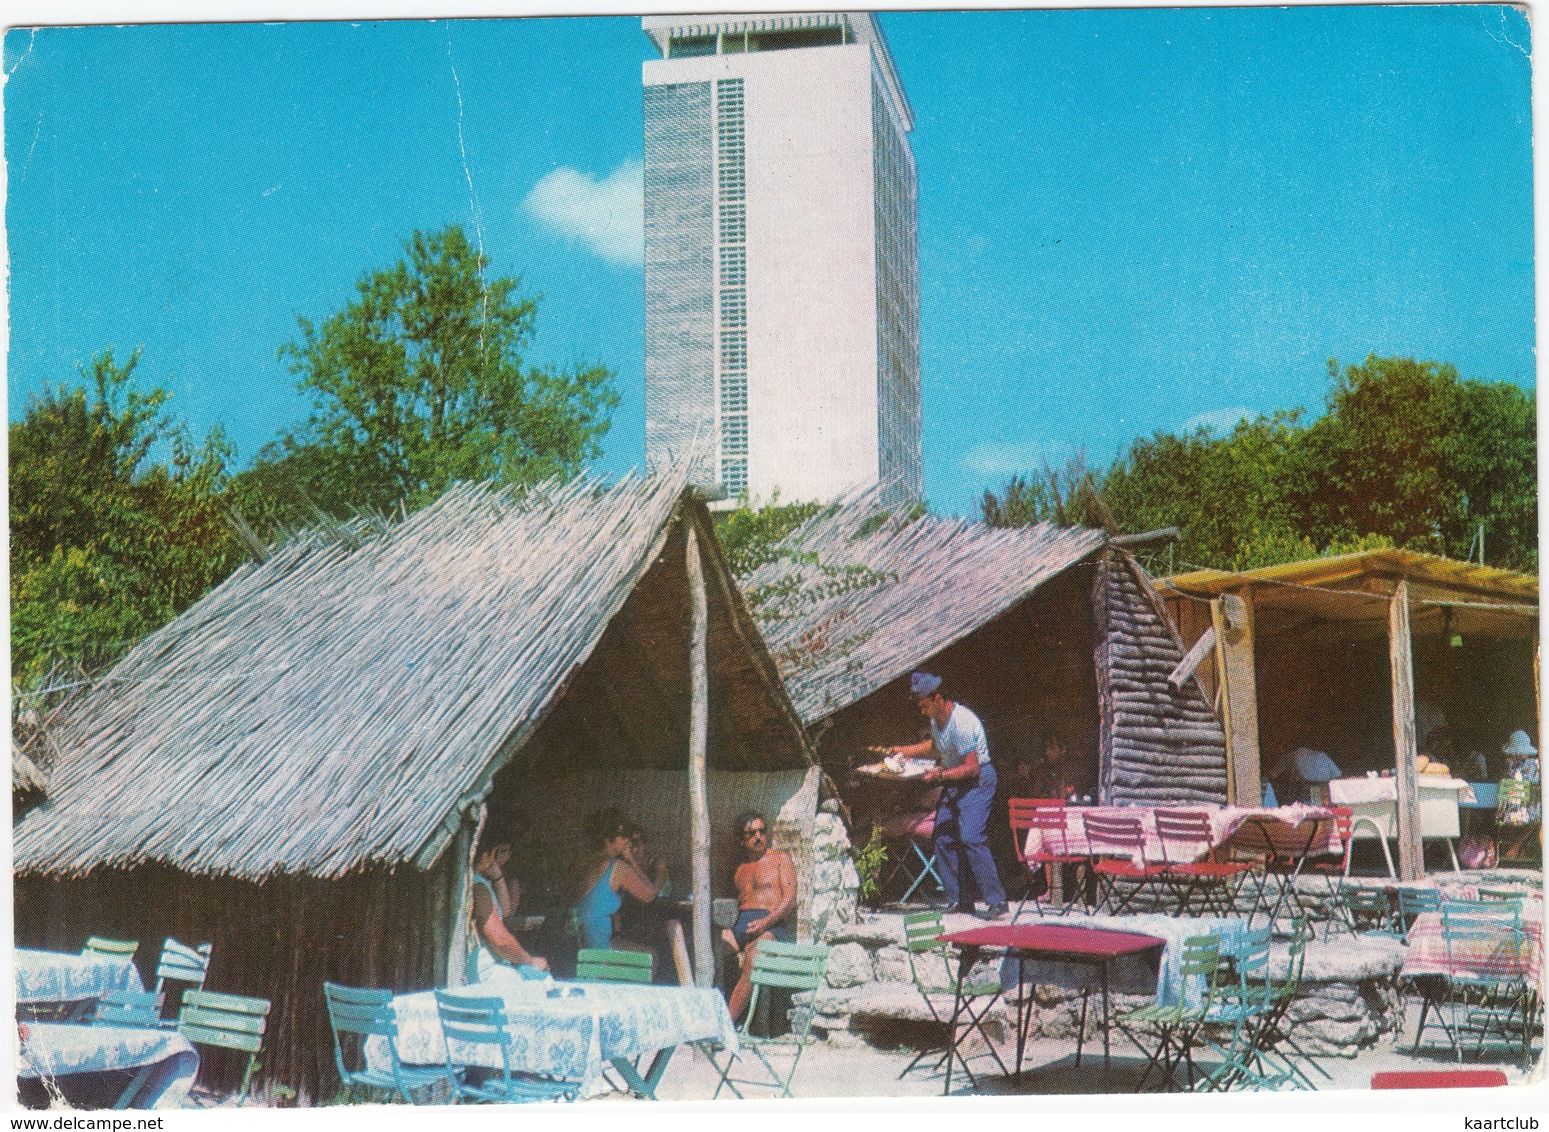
<point>295,767</point>
<point>1041,630</point>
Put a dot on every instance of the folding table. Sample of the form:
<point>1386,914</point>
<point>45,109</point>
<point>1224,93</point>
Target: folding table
<point>904,808</point>
<point>1093,948</point>
<point>572,1030</point>
<point>1281,842</point>
<point>1507,959</point>
<point>164,1062</point>
<point>58,978</point>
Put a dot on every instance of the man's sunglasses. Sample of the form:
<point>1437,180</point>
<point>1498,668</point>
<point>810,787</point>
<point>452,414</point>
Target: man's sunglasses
<point>756,831</point>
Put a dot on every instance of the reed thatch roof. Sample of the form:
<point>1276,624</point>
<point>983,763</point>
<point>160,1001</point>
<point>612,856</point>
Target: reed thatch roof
<point>26,777</point>
<point>862,595</point>
<point>339,704</point>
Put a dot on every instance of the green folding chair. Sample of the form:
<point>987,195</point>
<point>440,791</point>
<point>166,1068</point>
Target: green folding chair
<point>1363,909</point>
<point>1502,895</point>
<point>180,963</point>
<point>595,965</point>
<point>1243,1013</point>
<point>359,1013</point>
<point>226,1021</point>
<point>124,948</point>
<point>1413,903</point>
<point>922,938</point>
<point>1276,1036</point>
<point>1485,943</point>
<point>785,966</point>
<point>1172,1028</point>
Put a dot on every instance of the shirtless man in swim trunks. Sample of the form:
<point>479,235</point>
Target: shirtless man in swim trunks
<point>766,893</point>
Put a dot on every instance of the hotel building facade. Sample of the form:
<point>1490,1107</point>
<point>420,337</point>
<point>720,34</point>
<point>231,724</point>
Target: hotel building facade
<point>781,256</point>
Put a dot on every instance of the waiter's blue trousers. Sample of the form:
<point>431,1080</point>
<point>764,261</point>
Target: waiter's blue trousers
<point>961,819</point>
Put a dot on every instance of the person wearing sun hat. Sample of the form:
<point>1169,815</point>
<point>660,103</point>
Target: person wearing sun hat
<point>958,745</point>
<point>1521,765</point>
<point>1521,755</point>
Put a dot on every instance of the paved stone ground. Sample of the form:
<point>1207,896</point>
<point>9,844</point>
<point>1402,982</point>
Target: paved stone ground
<point>1048,1070</point>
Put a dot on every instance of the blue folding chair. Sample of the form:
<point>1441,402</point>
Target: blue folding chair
<point>917,863</point>
<point>180,963</point>
<point>475,1022</point>
<point>366,1012</point>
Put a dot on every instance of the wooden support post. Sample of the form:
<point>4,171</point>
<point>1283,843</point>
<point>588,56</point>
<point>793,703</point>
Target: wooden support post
<point>680,959</point>
<point>1411,850</point>
<point>1232,619</point>
<point>698,739</point>
<point>462,896</point>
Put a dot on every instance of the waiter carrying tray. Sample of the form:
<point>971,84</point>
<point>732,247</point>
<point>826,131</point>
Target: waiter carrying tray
<point>958,745</point>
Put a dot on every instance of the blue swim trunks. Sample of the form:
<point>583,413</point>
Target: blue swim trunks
<point>748,916</point>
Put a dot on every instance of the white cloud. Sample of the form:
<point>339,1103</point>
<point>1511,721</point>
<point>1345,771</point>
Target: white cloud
<point>1219,421</point>
<point>1008,458</point>
<point>607,215</point>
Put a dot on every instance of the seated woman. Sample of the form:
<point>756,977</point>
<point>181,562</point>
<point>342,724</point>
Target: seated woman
<point>636,920</point>
<point>494,898</point>
<point>611,871</point>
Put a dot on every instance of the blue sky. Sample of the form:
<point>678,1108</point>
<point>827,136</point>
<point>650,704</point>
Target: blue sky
<point>1130,220</point>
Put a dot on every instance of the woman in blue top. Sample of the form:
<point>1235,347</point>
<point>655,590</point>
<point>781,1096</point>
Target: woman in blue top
<point>610,872</point>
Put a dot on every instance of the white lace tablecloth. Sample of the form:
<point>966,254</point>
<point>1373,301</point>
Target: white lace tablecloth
<point>55,976</point>
<point>570,1037</point>
<point>64,1049</point>
<point>1132,975</point>
<point>1361,791</point>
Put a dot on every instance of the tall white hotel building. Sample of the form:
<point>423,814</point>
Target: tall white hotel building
<point>781,262</point>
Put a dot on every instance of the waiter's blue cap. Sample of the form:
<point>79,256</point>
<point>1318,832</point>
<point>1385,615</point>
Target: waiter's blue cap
<point>923,684</point>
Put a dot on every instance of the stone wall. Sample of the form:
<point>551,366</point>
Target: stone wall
<point>835,883</point>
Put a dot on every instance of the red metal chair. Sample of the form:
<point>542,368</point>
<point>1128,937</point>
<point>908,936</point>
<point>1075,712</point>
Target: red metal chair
<point>1115,845</point>
<point>1217,882</point>
<point>1046,815</point>
<point>1335,870</point>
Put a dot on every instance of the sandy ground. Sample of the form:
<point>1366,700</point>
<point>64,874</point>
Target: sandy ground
<point>1048,1070</point>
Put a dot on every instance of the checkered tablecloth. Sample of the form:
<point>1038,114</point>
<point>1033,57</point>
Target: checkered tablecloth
<point>1506,958</point>
<point>55,976</point>
<point>1225,821</point>
<point>571,1037</point>
<point>63,1049</point>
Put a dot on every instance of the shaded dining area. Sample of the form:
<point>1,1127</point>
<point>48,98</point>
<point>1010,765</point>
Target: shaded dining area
<point>1217,982</point>
<point>1390,681</point>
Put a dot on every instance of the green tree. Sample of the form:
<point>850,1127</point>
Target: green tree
<point>1407,454</point>
<point>1411,452</point>
<point>1067,496</point>
<point>421,382</point>
<point>1233,498</point>
<point>750,536</point>
<point>117,520</point>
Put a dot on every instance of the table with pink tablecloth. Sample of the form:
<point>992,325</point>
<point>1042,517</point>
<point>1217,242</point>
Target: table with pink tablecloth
<point>1508,957</point>
<point>1225,821</point>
